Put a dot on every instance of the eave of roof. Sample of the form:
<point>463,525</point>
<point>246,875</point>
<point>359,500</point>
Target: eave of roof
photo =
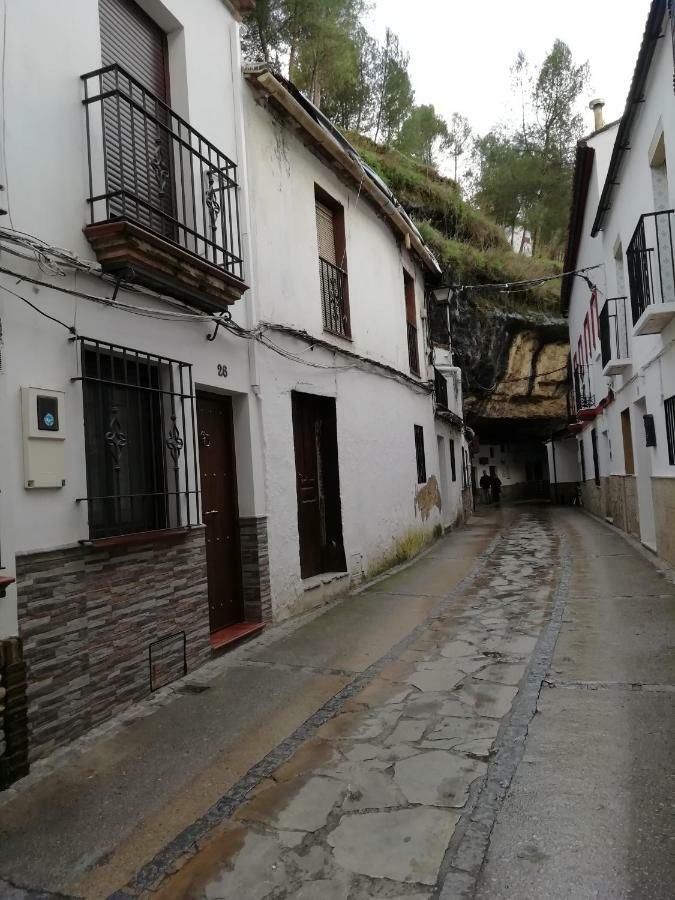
<point>324,136</point>
<point>635,96</point>
<point>240,9</point>
<point>583,167</point>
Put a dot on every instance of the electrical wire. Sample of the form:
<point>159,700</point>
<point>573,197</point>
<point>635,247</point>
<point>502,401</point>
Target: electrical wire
<point>69,328</point>
<point>507,286</point>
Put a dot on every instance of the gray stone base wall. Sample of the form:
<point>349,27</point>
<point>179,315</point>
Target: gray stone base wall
<point>563,493</point>
<point>615,498</point>
<point>622,503</point>
<point>525,490</point>
<point>595,497</point>
<point>255,569</point>
<point>663,491</point>
<point>87,617</point>
<point>467,503</point>
<point>13,713</point>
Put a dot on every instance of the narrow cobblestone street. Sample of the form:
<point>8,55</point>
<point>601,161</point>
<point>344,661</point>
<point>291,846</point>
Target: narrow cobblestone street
<point>495,720</point>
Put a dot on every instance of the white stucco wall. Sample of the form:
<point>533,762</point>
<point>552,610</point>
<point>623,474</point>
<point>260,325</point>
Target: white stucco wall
<point>376,453</point>
<point>510,460</point>
<point>44,164</point>
<point>282,176</point>
<point>651,377</point>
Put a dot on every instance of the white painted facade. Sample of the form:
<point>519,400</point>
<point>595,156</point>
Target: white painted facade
<point>520,466</point>
<point>646,376</point>
<point>375,411</point>
<point>44,166</point>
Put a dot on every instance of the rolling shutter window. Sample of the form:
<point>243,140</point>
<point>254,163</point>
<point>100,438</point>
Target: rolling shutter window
<point>132,40</point>
<point>325,229</point>
<point>138,146</point>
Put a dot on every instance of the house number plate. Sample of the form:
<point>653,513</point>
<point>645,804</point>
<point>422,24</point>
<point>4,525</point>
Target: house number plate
<point>222,371</point>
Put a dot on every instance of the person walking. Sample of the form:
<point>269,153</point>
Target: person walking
<point>485,483</point>
<point>496,487</point>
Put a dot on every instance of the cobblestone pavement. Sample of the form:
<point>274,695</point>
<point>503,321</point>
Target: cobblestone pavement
<point>369,806</point>
<point>494,721</point>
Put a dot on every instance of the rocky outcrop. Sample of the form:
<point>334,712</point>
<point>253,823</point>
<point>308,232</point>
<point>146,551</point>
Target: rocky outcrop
<point>514,366</point>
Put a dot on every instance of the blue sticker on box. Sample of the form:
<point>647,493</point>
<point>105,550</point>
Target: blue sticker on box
<point>49,420</point>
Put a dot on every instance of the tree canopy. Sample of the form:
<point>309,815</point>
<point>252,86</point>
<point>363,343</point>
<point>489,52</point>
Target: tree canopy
<point>522,171</point>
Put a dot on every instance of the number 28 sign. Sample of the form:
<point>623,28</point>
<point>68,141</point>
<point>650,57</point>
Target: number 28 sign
<point>222,371</point>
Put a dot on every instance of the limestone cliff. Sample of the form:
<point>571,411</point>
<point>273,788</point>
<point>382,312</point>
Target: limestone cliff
<point>514,366</point>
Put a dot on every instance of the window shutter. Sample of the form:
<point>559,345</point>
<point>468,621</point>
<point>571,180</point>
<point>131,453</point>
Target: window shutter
<point>650,430</point>
<point>325,229</point>
<point>132,40</point>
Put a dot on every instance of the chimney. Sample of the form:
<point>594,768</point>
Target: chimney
<point>597,106</point>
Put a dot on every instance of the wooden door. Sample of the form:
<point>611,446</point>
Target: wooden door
<point>219,509</point>
<point>318,485</point>
<point>136,131</point>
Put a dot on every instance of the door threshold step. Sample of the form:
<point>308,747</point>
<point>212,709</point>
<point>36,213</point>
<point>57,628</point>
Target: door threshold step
<point>227,637</point>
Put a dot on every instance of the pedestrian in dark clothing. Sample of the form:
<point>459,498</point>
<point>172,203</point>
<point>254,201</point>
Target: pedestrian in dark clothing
<point>496,486</point>
<point>485,483</point>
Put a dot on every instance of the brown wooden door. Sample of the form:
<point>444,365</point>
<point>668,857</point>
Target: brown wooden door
<point>318,485</point>
<point>137,146</point>
<point>219,509</point>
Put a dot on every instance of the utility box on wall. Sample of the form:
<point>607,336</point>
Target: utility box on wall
<point>43,418</point>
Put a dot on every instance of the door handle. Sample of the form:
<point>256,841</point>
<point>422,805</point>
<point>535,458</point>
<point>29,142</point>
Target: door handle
<point>211,512</point>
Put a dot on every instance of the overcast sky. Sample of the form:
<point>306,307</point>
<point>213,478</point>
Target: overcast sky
<point>461,50</point>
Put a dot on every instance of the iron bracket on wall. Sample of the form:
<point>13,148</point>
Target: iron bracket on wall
<point>221,320</point>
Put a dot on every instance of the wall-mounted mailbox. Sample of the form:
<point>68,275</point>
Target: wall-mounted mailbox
<point>44,435</point>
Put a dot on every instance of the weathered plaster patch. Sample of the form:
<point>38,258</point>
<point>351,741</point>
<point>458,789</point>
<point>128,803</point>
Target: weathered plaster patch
<point>428,497</point>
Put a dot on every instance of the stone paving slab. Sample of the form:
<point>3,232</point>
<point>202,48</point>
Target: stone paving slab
<point>369,806</point>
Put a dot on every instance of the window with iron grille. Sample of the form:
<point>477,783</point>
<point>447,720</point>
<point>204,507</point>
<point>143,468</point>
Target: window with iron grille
<point>453,465</point>
<point>669,406</point>
<point>411,322</point>
<point>419,455</point>
<point>583,460</point>
<point>596,464</point>
<point>330,232</point>
<point>140,448</point>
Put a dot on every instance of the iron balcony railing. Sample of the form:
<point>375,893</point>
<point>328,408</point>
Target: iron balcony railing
<point>651,264</point>
<point>583,396</point>
<point>334,298</point>
<point>148,166</point>
<point>613,330</point>
<point>413,349</point>
<point>441,389</point>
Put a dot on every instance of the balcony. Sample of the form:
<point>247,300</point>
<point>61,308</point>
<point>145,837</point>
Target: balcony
<point>334,299</point>
<point>614,337</point>
<point>651,273</point>
<point>584,399</point>
<point>163,201</point>
<point>441,389</point>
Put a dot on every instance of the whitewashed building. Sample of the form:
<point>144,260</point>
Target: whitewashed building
<point>215,381</point>
<point>622,311</point>
<point>340,280</point>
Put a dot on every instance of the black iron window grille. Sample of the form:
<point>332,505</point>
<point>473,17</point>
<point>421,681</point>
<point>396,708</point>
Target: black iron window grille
<point>413,349</point>
<point>613,330</point>
<point>140,444</point>
<point>596,463</point>
<point>582,460</point>
<point>333,294</point>
<point>441,389</point>
<point>651,262</point>
<point>669,406</point>
<point>148,166</point>
<point>582,389</point>
<point>419,455</point>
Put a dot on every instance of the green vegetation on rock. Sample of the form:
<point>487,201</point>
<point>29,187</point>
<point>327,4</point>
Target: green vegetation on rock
<point>470,247</point>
